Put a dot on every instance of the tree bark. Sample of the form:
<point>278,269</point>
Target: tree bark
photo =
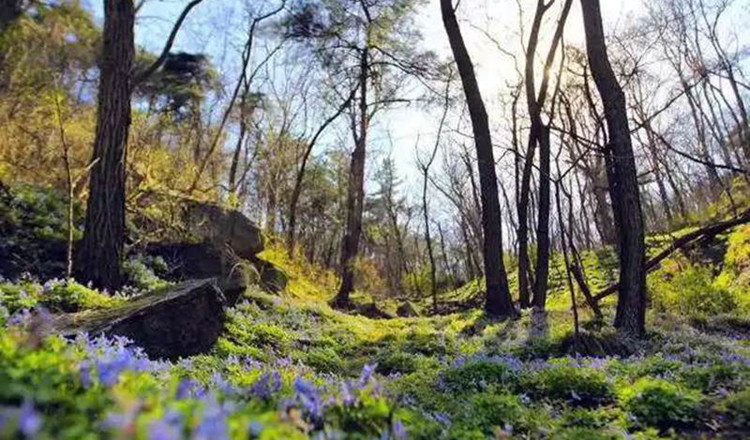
<point>631,305</point>
<point>355,193</point>
<point>543,241</point>
<point>498,302</point>
<point>101,249</point>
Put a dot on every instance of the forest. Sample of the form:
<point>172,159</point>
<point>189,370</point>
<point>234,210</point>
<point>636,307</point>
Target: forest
<point>374,219</point>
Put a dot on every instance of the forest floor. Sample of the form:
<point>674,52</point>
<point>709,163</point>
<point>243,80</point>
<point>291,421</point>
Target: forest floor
<point>288,366</point>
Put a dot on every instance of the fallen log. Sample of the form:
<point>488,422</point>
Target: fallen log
<point>680,242</point>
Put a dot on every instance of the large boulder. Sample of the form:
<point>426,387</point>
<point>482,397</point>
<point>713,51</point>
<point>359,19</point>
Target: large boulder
<point>187,261</point>
<point>407,310</point>
<point>222,227</point>
<point>184,321</point>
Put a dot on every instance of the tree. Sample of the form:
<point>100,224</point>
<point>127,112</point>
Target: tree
<point>498,302</point>
<point>369,46</point>
<point>101,249</point>
<point>538,134</point>
<point>623,178</point>
<point>298,180</point>
<point>424,167</point>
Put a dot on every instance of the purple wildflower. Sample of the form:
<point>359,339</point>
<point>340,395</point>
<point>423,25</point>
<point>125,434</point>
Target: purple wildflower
<point>255,429</point>
<point>163,430</point>
<point>29,421</point>
<point>185,388</point>
<point>399,431</point>
<point>310,398</point>
<point>367,372</point>
<point>21,318</point>
<point>347,394</point>
<point>266,385</point>
<point>213,425</point>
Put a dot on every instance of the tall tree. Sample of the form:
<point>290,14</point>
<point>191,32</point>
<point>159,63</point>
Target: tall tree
<point>370,47</point>
<point>498,302</point>
<point>101,248</point>
<point>623,178</point>
<point>100,251</point>
<point>424,167</point>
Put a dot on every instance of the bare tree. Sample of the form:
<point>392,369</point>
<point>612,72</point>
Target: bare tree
<point>498,301</point>
<point>623,179</point>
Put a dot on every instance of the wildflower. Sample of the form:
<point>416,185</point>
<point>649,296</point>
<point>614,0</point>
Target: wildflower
<point>250,363</point>
<point>441,418</point>
<point>22,318</point>
<point>266,385</point>
<point>347,393</point>
<point>213,425</point>
<point>284,362</point>
<point>84,369</point>
<point>185,389</point>
<point>164,430</point>
<point>310,398</point>
<point>220,383</point>
<point>399,431</point>
<point>255,429</point>
<point>29,421</point>
<point>367,372</point>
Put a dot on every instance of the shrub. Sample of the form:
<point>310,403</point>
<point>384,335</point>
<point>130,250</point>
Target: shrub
<point>324,359</point>
<point>736,407</point>
<point>390,362</point>
<point>56,295</point>
<point>709,378</point>
<point>578,386</point>
<point>579,433</point>
<point>365,419</point>
<point>661,404</point>
<point>486,412</point>
<point>428,344</point>
<point>69,296</point>
<point>264,333</point>
<point>141,273</point>
<point>586,418</point>
<point>689,290</point>
<point>477,375</point>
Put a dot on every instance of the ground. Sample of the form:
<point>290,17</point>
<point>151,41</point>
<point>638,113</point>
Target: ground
<point>288,366</point>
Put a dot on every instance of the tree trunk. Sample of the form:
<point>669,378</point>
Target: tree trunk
<point>631,305</point>
<point>299,177</point>
<point>543,241</point>
<point>355,193</point>
<point>498,301</point>
<point>534,132</point>
<point>101,249</point>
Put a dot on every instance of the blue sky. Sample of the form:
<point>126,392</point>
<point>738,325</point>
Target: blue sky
<point>215,27</point>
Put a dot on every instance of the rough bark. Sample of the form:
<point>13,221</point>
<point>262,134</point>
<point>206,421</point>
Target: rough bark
<point>355,193</point>
<point>101,248</point>
<point>498,301</point>
<point>631,304</point>
<point>543,240</point>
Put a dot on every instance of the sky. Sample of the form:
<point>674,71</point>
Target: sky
<point>215,28</point>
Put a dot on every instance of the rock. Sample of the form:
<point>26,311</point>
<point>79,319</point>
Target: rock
<point>371,310</point>
<point>407,310</point>
<point>205,260</point>
<point>191,260</point>
<point>184,321</point>
<point>272,279</point>
<point>220,226</point>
